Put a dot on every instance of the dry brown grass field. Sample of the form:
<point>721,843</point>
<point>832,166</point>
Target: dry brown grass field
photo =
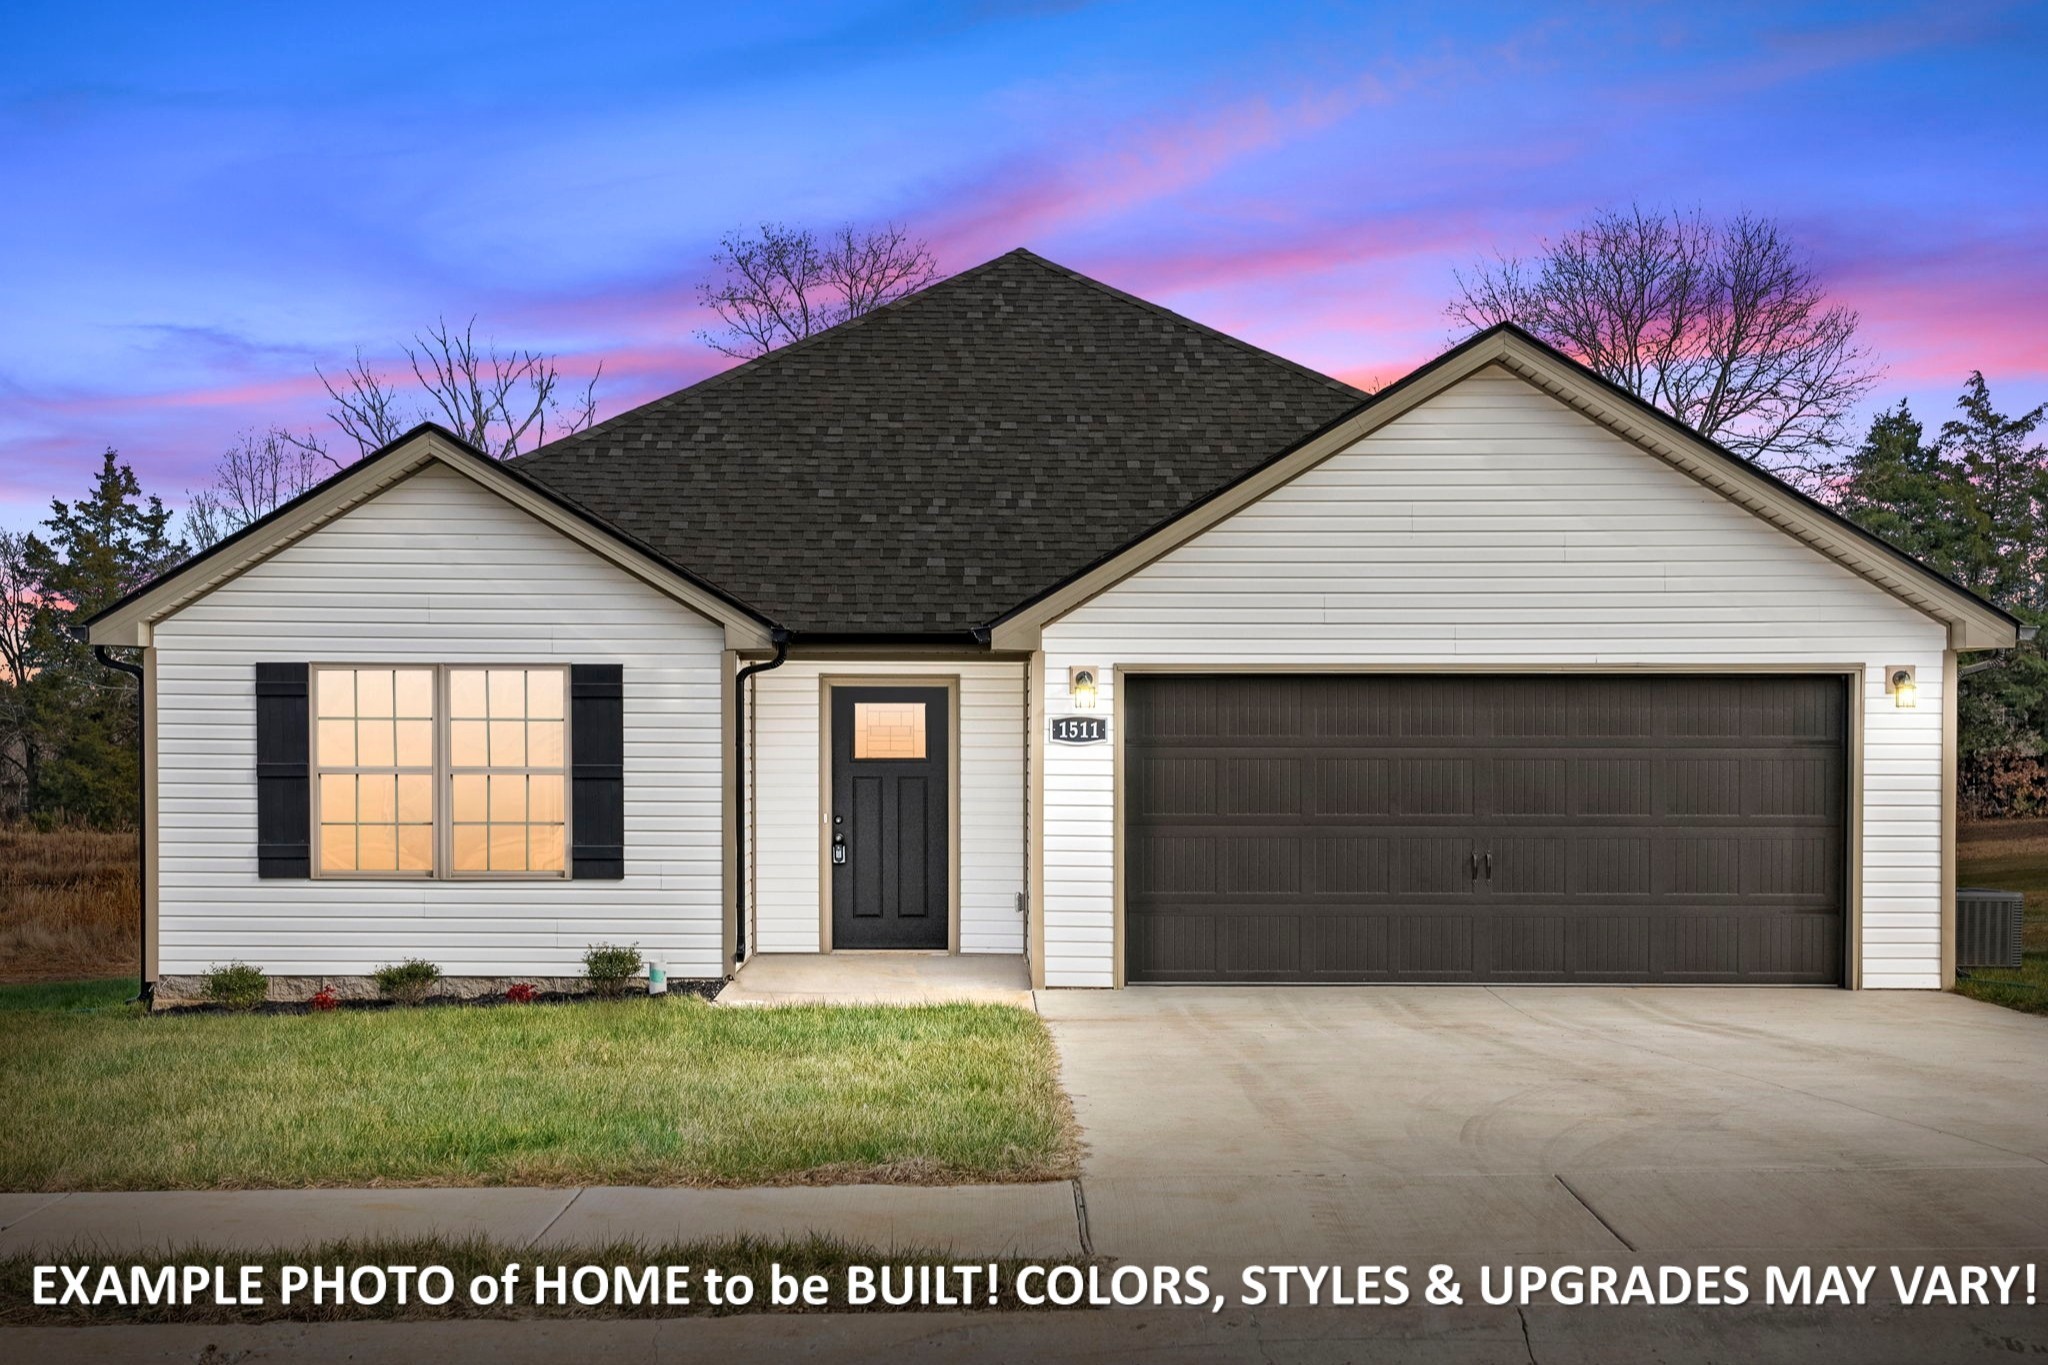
<point>2011,855</point>
<point>67,904</point>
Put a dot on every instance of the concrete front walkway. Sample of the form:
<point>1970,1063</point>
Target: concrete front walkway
<point>880,979</point>
<point>1234,1126</point>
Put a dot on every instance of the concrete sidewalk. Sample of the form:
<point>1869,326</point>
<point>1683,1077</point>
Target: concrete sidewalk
<point>880,979</point>
<point>1325,1336</point>
<point>973,1221</point>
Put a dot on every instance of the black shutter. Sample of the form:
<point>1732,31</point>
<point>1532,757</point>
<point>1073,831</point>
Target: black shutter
<point>284,810</point>
<point>597,768</point>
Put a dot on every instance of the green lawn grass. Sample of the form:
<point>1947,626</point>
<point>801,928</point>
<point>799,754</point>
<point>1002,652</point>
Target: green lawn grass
<point>636,1092</point>
<point>2010,855</point>
<point>112,994</point>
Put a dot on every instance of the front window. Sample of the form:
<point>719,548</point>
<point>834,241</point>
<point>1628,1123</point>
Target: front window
<point>505,755</point>
<point>425,772</point>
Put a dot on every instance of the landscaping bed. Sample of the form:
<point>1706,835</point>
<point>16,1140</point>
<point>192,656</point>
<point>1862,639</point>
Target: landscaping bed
<point>665,1091</point>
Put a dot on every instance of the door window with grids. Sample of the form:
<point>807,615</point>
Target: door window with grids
<point>456,771</point>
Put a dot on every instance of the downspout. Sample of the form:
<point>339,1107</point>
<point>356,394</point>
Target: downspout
<point>146,989</point>
<point>780,637</point>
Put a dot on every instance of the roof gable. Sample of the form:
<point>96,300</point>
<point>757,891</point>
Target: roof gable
<point>1972,622</point>
<point>130,621</point>
<point>923,469</point>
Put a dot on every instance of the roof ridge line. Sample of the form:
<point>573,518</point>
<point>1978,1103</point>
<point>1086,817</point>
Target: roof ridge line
<point>1162,310</point>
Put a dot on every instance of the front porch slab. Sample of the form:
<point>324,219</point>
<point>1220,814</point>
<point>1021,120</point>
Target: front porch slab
<point>880,979</point>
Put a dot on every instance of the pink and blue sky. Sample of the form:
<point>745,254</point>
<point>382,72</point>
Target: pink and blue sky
<point>206,200</point>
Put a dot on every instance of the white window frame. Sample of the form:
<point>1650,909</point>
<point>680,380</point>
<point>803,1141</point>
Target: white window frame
<point>444,779</point>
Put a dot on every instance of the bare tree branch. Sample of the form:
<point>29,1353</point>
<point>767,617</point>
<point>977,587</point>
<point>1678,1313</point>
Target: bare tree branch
<point>780,284</point>
<point>17,605</point>
<point>364,407</point>
<point>1724,326</point>
<point>503,403</point>
<point>261,472</point>
<point>496,400</point>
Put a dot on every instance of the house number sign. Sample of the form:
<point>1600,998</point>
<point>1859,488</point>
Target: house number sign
<point>1079,729</point>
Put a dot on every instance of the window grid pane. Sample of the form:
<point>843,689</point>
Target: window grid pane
<point>376,766</point>
<point>374,752</point>
<point>507,753</point>
<point>888,729</point>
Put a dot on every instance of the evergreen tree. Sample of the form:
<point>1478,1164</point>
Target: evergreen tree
<point>2008,482</point>
<point>1973,504</point>
<point>80,716</point>
<point>1898,485</point>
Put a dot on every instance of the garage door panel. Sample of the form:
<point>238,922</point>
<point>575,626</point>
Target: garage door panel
<point>1793,713</point>
<point>1354,786</point>
<point>1530,865</point>
<point>1608,947</point>
<point>1795,866</point>
<point>1350,865</point>
<point>1532,786</point>
<point>1525,948</point>
<point>1612,786</point>
<point>1172,865</point>
<point>1804,784</point>
<point>1171,785</point>
<point>1259,947</point>
<point>1263,864</point>
<point>1430,947</point>
<point>1703,786</point>
<point>1174,947</point>
<point>1259,786</point>
<point>1640,829</point>
<point>1703,865</point>
<point>1345,947</point>
<point>1431,709</point>
<point>1704,946</point>
<point>1429,865</point>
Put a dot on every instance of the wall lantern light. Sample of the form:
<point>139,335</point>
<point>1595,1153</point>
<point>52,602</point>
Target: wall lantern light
<point>1899,680</point>
<point>1081,686</point>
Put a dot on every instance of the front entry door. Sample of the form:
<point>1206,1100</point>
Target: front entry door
<point>890,815</point>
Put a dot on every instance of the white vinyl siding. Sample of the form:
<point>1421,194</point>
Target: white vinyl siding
<point>1494,526</point>
<point>436,570</point>
<point>786,808</point>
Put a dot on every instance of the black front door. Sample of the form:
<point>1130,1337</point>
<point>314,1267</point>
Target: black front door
<point>890,816</point>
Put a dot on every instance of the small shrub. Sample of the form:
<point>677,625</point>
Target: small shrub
<point>408,982</point>
<point>521,993</point>
<point>237,986</point>
<point>323,1000</point>
<point>610,967</point>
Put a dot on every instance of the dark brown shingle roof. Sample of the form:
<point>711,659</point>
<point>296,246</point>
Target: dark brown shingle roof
<point>927,467</point>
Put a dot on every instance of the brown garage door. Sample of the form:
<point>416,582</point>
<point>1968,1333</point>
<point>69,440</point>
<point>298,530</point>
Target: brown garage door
<point>1587,829</point>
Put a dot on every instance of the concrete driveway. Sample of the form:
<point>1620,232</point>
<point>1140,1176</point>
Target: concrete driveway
<point>1357,1125</point>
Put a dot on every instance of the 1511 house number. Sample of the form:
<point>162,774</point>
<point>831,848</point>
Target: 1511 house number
<point>1079,729</point>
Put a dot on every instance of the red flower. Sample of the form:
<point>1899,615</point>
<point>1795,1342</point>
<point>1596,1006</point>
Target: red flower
<point>324,1000</point>
<point>521,993</point>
